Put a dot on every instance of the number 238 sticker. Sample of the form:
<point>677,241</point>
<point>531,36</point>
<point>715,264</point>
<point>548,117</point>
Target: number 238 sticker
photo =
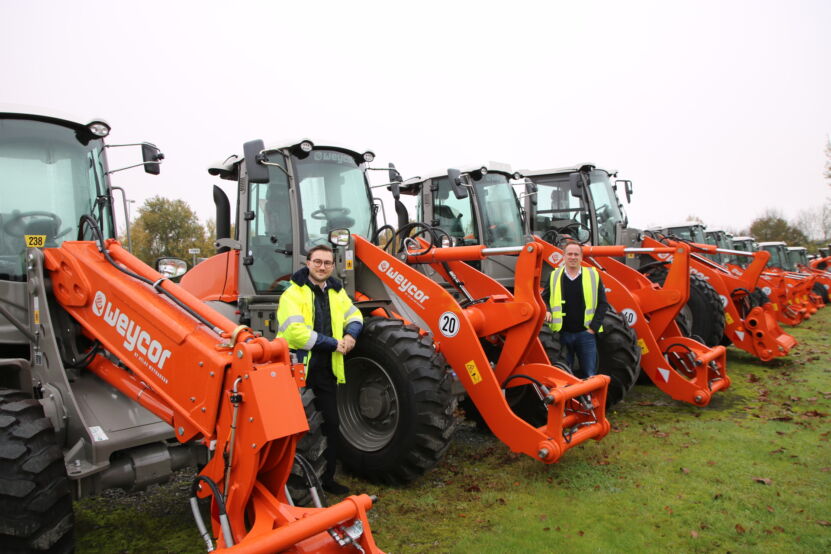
<point>449,324</point>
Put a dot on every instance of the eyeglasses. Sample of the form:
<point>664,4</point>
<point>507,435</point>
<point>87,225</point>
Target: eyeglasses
<point>324,263</point>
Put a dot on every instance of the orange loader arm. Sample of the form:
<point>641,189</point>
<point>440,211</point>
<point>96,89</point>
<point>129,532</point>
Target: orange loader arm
<point>457,328</point>
<point>215,383</point>
<point>682,367</point>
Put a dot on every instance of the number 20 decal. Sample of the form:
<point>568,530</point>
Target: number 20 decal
<point>449,324</point>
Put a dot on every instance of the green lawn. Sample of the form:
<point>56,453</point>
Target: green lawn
<point>749,473</point>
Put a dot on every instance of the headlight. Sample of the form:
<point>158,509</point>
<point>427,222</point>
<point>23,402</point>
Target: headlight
<point>484,170</point>
<point>99,129</point>
<point>369,156</point>
<point>306,146</point>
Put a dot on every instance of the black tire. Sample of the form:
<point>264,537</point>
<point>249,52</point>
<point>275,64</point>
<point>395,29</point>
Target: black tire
<point>397,410</point>
<point>703,316</point>
<point>820,290</point>
<point>35,496</point>
<point>619,356</point>
<point>311,447</point>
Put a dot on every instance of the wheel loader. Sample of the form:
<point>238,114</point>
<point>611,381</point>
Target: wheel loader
<point>799,294</point>
<point>398,405</point>
<point>479,206</point>
<point>751,319</point>
<point>798,257</point>
<point>586,194</point>
<point>112,376</point>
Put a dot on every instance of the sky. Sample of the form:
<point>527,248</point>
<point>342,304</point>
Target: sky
<point>719,110</point>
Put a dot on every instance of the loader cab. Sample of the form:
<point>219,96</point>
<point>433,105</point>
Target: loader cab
<point>798,256</point>
<point>580,201</point>
<point>745,244</point>
<point>778,254</point>
<point>480,208</point>
<point>53,171</point>
<point>719,239</point>
<point>289,199</point>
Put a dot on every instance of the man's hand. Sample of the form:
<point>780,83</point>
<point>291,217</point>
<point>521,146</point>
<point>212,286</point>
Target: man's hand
<point>346,344</point>
<point>590,330</point>
<point>548,317</point>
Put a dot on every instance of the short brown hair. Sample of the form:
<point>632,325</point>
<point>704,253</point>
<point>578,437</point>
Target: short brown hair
<point>324,247</point>
<point>572,242</point>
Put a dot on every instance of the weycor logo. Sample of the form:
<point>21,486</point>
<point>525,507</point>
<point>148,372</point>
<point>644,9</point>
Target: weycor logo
<point>135,338</point>
<point>404,284</point>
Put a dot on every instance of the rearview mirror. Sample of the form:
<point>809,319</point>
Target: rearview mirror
<point>252,152</point>
<point>627,187</point>
<point>531,191</point>
<point>455,178</point>
<point>151,157</point>
<point>395,181</point>
<point>575,184</point>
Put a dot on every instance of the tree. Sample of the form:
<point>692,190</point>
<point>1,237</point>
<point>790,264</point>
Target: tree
<point>772,226</point>
<point>827,172</point>
<point>168,228</point>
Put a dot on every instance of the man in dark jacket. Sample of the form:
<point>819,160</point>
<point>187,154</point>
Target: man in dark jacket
<point>321,325</point>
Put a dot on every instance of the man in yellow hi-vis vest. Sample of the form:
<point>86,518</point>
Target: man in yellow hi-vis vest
<point>577,303</point>
<point>320,323</point>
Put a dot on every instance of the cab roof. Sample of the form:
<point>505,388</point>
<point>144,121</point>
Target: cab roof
<point>564,170</point>
<point>228,168</point>
<point>491,167</point>
<point>22,111</point>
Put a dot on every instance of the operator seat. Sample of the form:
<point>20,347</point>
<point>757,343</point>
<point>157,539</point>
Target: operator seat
<point>48,227</point>
<point>449,221</point>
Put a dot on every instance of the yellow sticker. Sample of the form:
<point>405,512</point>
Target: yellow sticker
<point>728,319</point>
<point>36,317</point>
<point>35,241</point>
<point>775,307</point>
<point>642,344</point>
<point>473,371</point>
<point>630,255</point>
<point>349,263</point>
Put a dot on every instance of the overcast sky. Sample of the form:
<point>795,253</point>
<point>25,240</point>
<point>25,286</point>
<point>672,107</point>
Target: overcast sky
<point>717,109</point>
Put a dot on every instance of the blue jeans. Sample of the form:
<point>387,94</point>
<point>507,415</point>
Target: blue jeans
<point>584,345</point>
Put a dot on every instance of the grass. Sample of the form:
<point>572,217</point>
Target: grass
<point>749,473</point>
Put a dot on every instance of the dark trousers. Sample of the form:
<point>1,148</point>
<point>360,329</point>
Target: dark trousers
<point>584,345</point>
<point>327,404</point>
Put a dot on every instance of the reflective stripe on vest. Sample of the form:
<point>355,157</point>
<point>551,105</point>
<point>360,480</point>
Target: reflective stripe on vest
<point>589,279</point>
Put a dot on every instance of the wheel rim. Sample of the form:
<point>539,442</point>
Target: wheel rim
<point>368,405</point>
<point>685,320</point>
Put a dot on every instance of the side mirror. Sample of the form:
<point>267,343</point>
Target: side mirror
<point>151,156</point>
<point>455,178</point>
<point>575,184</point>
<point>395,181</point>
<point>627,187</point>
<point>531,191</point>
<point>339,237</point>
<point>257,172</point>
<point>171,267</point>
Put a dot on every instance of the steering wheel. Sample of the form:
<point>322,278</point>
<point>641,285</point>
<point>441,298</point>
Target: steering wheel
<point>14,227</point>
<point>324,213</point>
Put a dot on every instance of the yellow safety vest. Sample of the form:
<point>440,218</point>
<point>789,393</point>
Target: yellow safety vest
<point>590,279</point>
<point>295,320</point>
